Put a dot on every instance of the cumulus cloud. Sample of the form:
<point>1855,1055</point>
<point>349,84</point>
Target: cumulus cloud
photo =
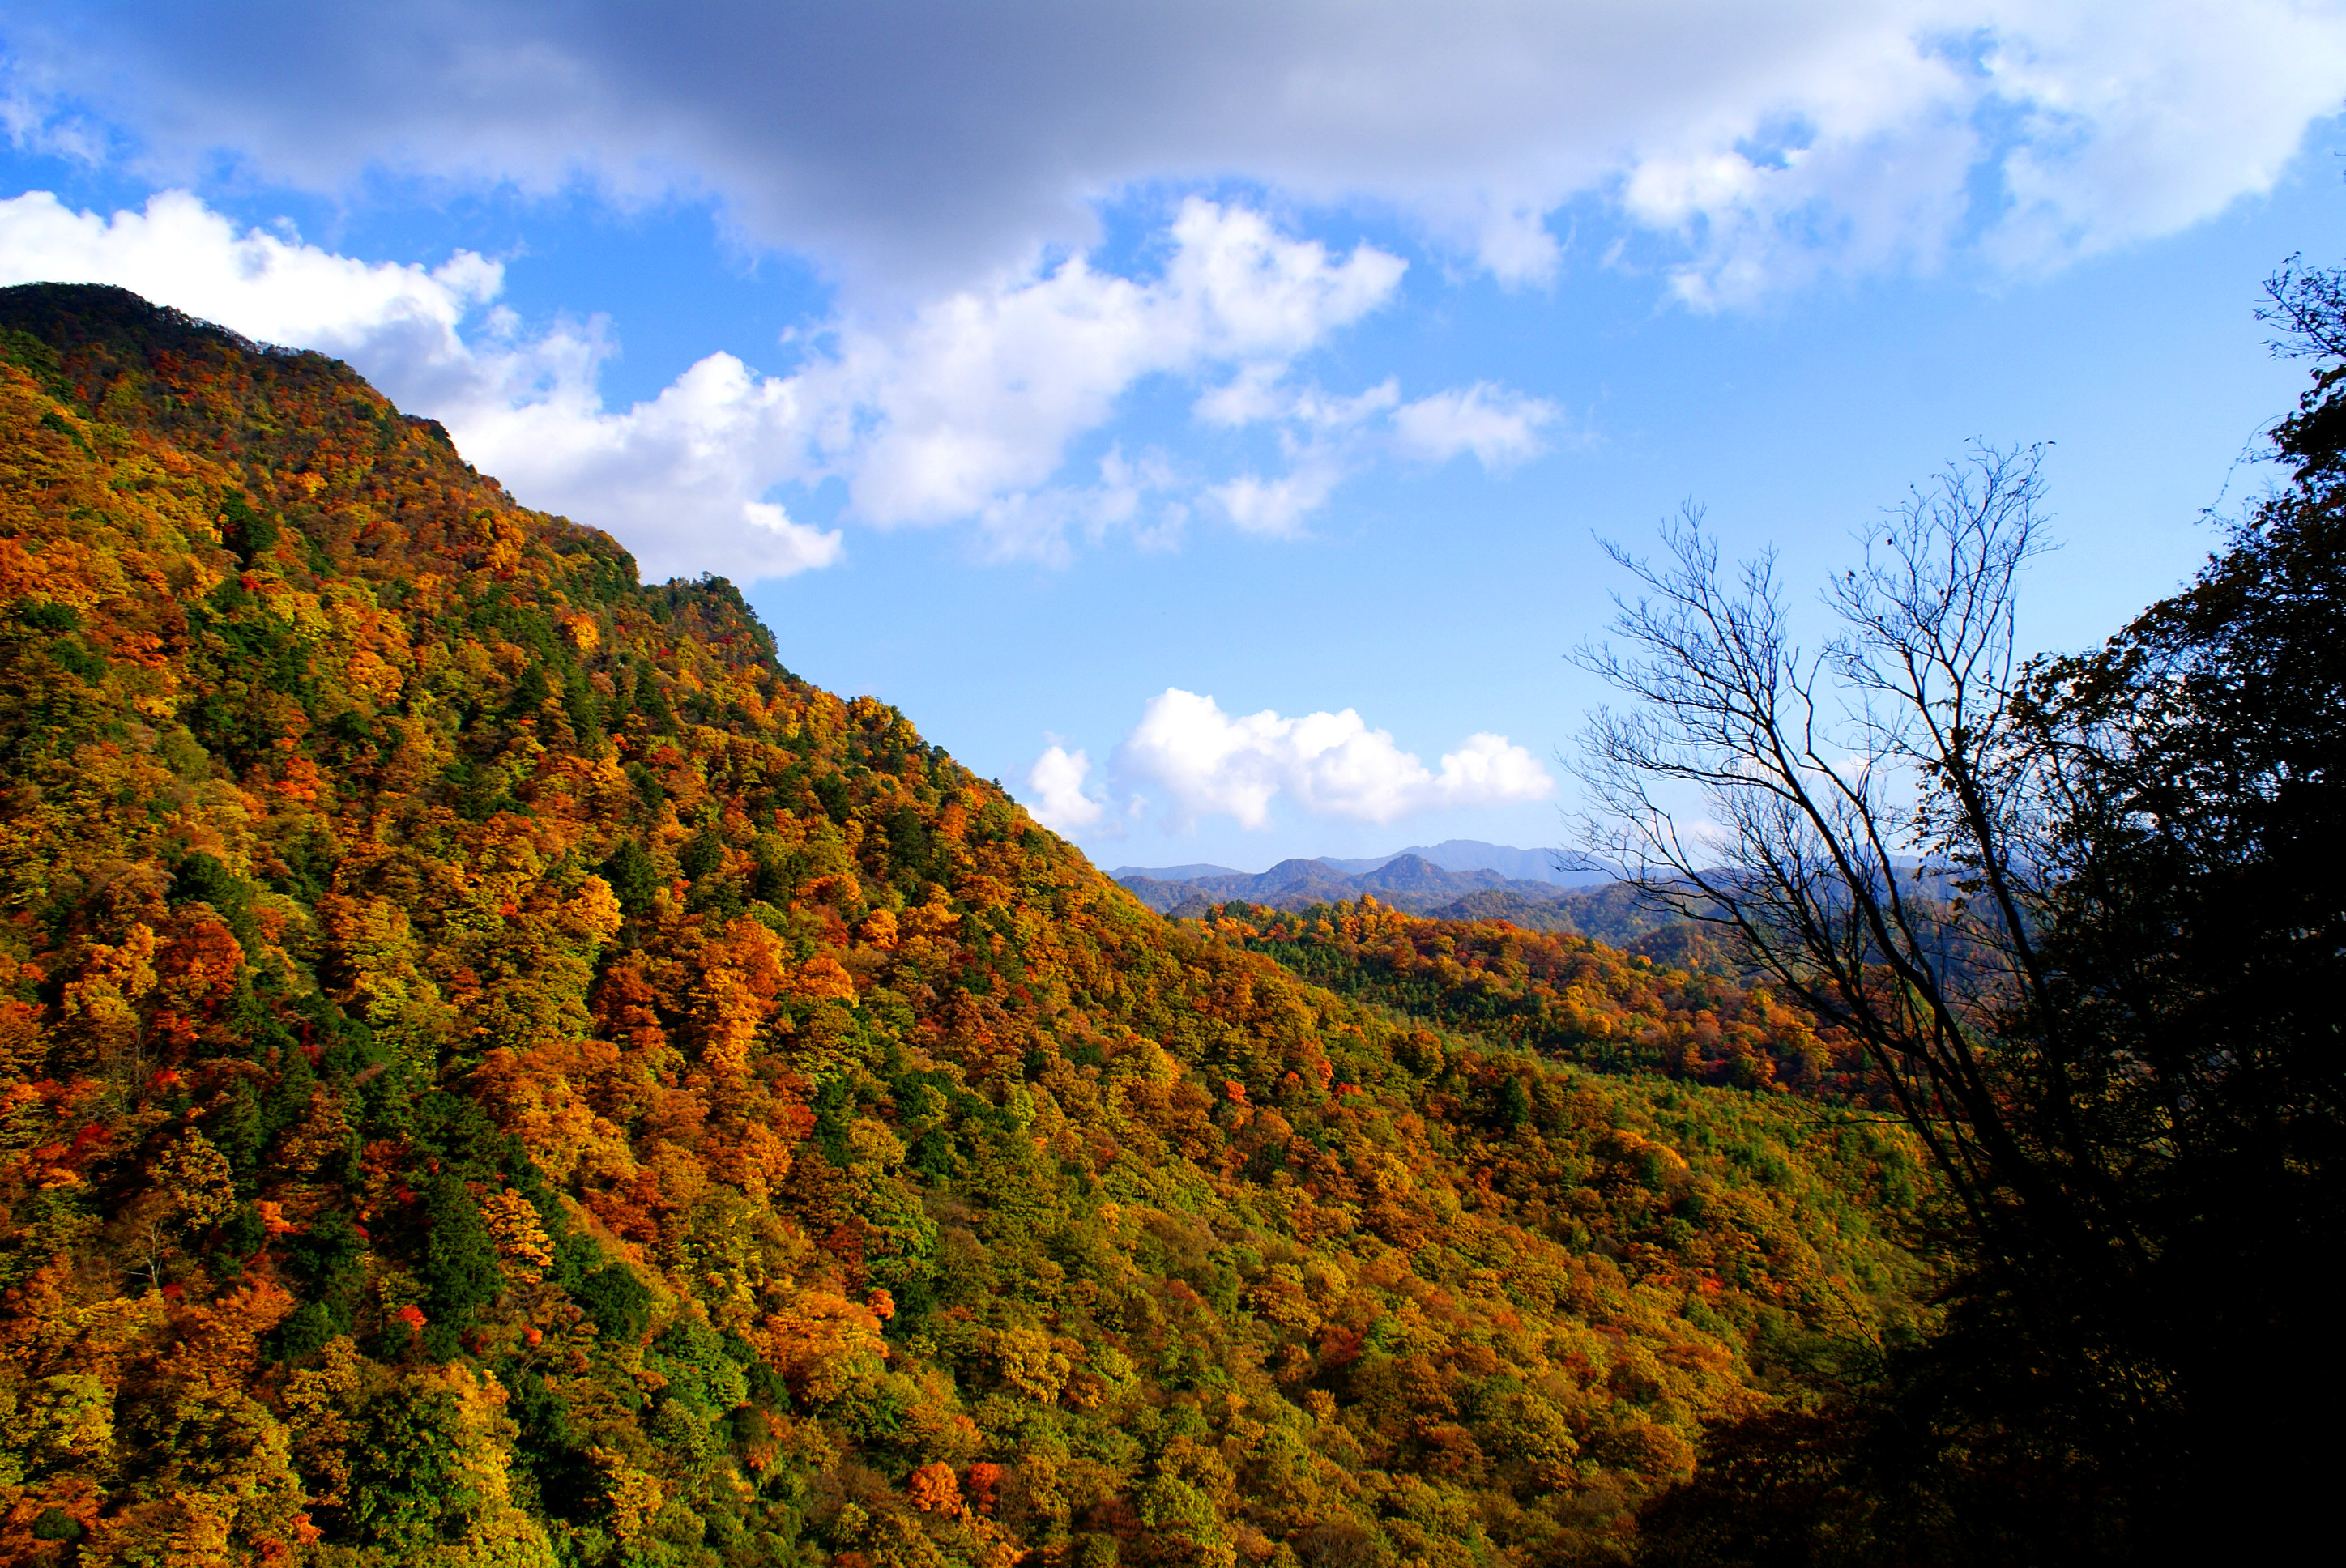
<point>914,146</point>
<point>979,395</point>
<point>1326,438</point>
<point>1278,506</point>
<point>276,289</point>
<point>678,479</point>
<point>961,409</point>
<point>1499,427</point>
<point>1209,763</point>
<point>1057,798</point>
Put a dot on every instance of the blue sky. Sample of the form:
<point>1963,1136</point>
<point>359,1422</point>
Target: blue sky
<point>1203,418</point>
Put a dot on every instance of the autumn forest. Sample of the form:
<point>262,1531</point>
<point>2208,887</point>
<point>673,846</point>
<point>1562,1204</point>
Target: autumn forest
<point>495,1069</point>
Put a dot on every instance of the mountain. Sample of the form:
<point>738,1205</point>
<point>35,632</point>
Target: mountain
<point>1158,896</point>
<point>1406,882</point>
<point>1174,873</point>
<point>1308,879</point>
<point>1563,996</point>
<point>495,1069</point>
<point>1613,913</point>
<point>1449,855</point>
<point>1473,855</point>
<point>1409,876</point>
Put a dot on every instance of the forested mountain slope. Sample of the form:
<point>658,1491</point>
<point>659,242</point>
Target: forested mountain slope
<point>495,1070</point>
<point>1563,997</point>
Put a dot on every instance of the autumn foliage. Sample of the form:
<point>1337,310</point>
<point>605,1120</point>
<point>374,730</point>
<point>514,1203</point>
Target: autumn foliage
<point>493,1069</point>
<point>1559,996</point>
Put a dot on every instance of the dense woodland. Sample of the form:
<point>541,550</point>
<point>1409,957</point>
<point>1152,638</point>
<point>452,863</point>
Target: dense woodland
<point>495,1070</point>
<point>1564,998</point>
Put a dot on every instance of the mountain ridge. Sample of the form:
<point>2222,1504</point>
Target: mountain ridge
<point>1449,855</point>
<point>1406,882</point>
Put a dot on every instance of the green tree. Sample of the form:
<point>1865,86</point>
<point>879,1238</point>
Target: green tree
<point>460,1261</point>
<point>634,881</point>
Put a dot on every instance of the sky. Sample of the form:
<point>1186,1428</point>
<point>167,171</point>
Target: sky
<point>1208,418</point>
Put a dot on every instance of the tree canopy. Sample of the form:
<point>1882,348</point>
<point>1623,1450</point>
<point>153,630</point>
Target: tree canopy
<point>493,1068</point>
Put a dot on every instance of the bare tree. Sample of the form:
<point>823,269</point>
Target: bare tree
<point>2079,913</point>
<point>2308,305</point>
<point>1864,816</point>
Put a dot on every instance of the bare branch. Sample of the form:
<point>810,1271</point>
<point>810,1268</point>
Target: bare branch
<point>1857,815</point>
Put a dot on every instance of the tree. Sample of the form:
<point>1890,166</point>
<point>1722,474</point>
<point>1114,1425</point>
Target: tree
<point>632,877</point>
<point>460,1261</point>
<point>1839,788</point>
<point>2196,937</point>
<point>2074,911</point>
<point>1877,818</point>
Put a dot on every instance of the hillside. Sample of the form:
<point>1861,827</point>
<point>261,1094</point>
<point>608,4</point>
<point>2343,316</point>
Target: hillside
<point>1560,997</point>
<point>1614,913</point>
<point>497,1070</point>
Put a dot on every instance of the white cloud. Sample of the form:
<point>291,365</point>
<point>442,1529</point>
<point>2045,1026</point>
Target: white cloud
<point>270,288</point>
<point>1059,802</point>
<point>678,480</point>
<point>1499,427</point>
<point>979,395</point>
<point>1258,394</point>
<point>1327,438</point>
<point>2136,131</point>
<point>1277,507</point>
<point>964,408</point>
<point>1209,763</point>
<point>916,147</point>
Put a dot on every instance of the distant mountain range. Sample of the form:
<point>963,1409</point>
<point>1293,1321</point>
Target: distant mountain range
<point>1474,884</point>
<point>1407,880</point>
<point>1611,913</point>
<point>1461,855</point>
<point>1474,855</point>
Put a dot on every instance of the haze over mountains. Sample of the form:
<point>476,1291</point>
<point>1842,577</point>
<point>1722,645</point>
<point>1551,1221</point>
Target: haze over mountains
<point>1468,863</point>
<point>1461,878</point>
<point>1474,855</point>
